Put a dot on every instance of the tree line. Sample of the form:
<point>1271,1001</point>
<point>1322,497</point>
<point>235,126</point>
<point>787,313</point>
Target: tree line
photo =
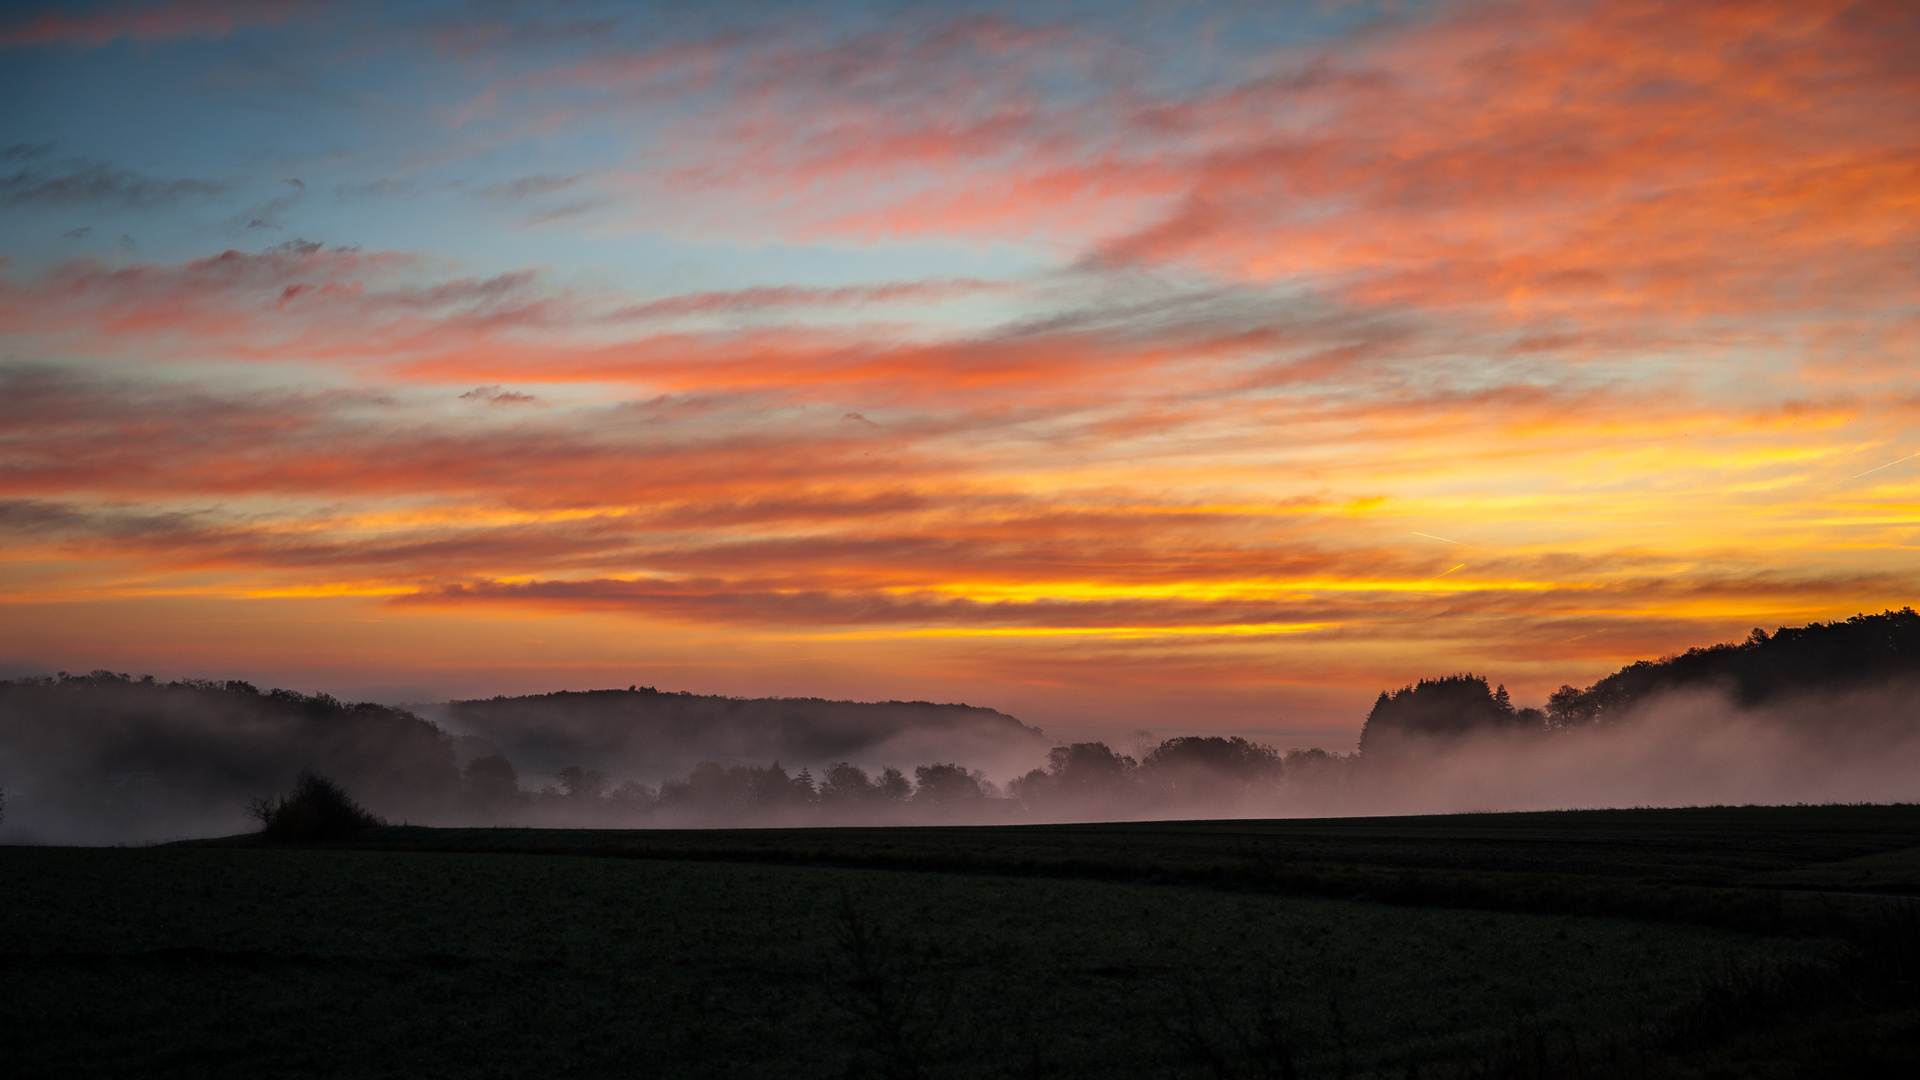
<point>1183,776</point>
<point>111,755</point>
<point>105,757</point>
<point>1766,667</point>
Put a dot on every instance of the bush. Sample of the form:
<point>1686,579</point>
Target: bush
<point>317,812</point>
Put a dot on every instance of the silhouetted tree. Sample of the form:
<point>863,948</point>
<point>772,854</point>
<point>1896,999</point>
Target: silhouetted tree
<point>893,785</point>
<point>1089,767</point>
<point>1209,768</point>
<point>318,811</point>
<point>708,791</point>
<point>1080,774</point>
<point>846,783</point>
<point>715,793</point>
<point>1567,707</point>
<point>946,785</point>
<point>1436,708</point>
<point>771,787</point>
<point>1315,769</point>
<point>579,783</point>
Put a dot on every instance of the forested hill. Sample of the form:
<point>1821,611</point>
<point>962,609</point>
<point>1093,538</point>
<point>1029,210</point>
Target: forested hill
<point>108,758</point>
<point>1860,651</point>
<point>105,757</point>
<point>647,733</point>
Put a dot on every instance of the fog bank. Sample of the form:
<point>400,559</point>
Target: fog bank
<point>104,759</point>
<point>1684,747</point>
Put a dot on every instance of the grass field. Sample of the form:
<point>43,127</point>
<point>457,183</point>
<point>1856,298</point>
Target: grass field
<point>1684,943</point>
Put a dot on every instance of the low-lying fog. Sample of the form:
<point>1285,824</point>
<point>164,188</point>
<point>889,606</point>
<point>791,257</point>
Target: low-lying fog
<point>106,760</point>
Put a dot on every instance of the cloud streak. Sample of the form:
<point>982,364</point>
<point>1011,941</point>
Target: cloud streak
<point>100,186</point>
<point>144,23</point>
<point>1590,162</point>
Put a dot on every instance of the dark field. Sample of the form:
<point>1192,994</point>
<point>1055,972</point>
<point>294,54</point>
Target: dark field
<point>1719,942</point>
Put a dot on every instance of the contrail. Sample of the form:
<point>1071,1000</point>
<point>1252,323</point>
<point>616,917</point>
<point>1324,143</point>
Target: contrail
<point>1444,540</point>
<point>1888,465</point>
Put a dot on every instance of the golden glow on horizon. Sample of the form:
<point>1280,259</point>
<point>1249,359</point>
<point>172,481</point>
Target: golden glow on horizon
<point>1518,336</point>
<point>1246,630</point>
<point>1250,589</point>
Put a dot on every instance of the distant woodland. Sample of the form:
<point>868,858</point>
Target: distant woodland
<point>105,757</point>
<point>646,734</point>
<point>1862,651</point>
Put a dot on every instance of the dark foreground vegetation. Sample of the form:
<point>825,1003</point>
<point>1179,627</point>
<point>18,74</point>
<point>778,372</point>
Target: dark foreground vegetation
<point>1678,943</point>
<point>317,812</point>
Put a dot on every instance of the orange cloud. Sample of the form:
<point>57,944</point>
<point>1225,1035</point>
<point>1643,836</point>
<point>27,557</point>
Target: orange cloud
<point>1589,162</point>
<point>1614,298</point>
<point>1692,160</point>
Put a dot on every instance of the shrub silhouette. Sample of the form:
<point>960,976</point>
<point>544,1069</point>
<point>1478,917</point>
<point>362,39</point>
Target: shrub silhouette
<point>318,811</point>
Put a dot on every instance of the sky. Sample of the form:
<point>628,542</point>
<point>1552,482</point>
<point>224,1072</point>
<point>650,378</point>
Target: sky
<point>1157,367</point>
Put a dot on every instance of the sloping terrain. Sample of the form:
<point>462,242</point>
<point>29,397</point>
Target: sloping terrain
<point>647,735</point>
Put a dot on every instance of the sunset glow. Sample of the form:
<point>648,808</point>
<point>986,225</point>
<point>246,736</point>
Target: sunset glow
<point>1178,367</point>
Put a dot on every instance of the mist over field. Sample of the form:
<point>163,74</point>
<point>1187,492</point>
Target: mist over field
<point>102,759</point>
<point>1820,714</point>
<point>1693,747</point>
<point>168,773</point>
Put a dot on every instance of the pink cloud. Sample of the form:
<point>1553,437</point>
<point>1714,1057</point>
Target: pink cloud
<point>1522,160</point>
